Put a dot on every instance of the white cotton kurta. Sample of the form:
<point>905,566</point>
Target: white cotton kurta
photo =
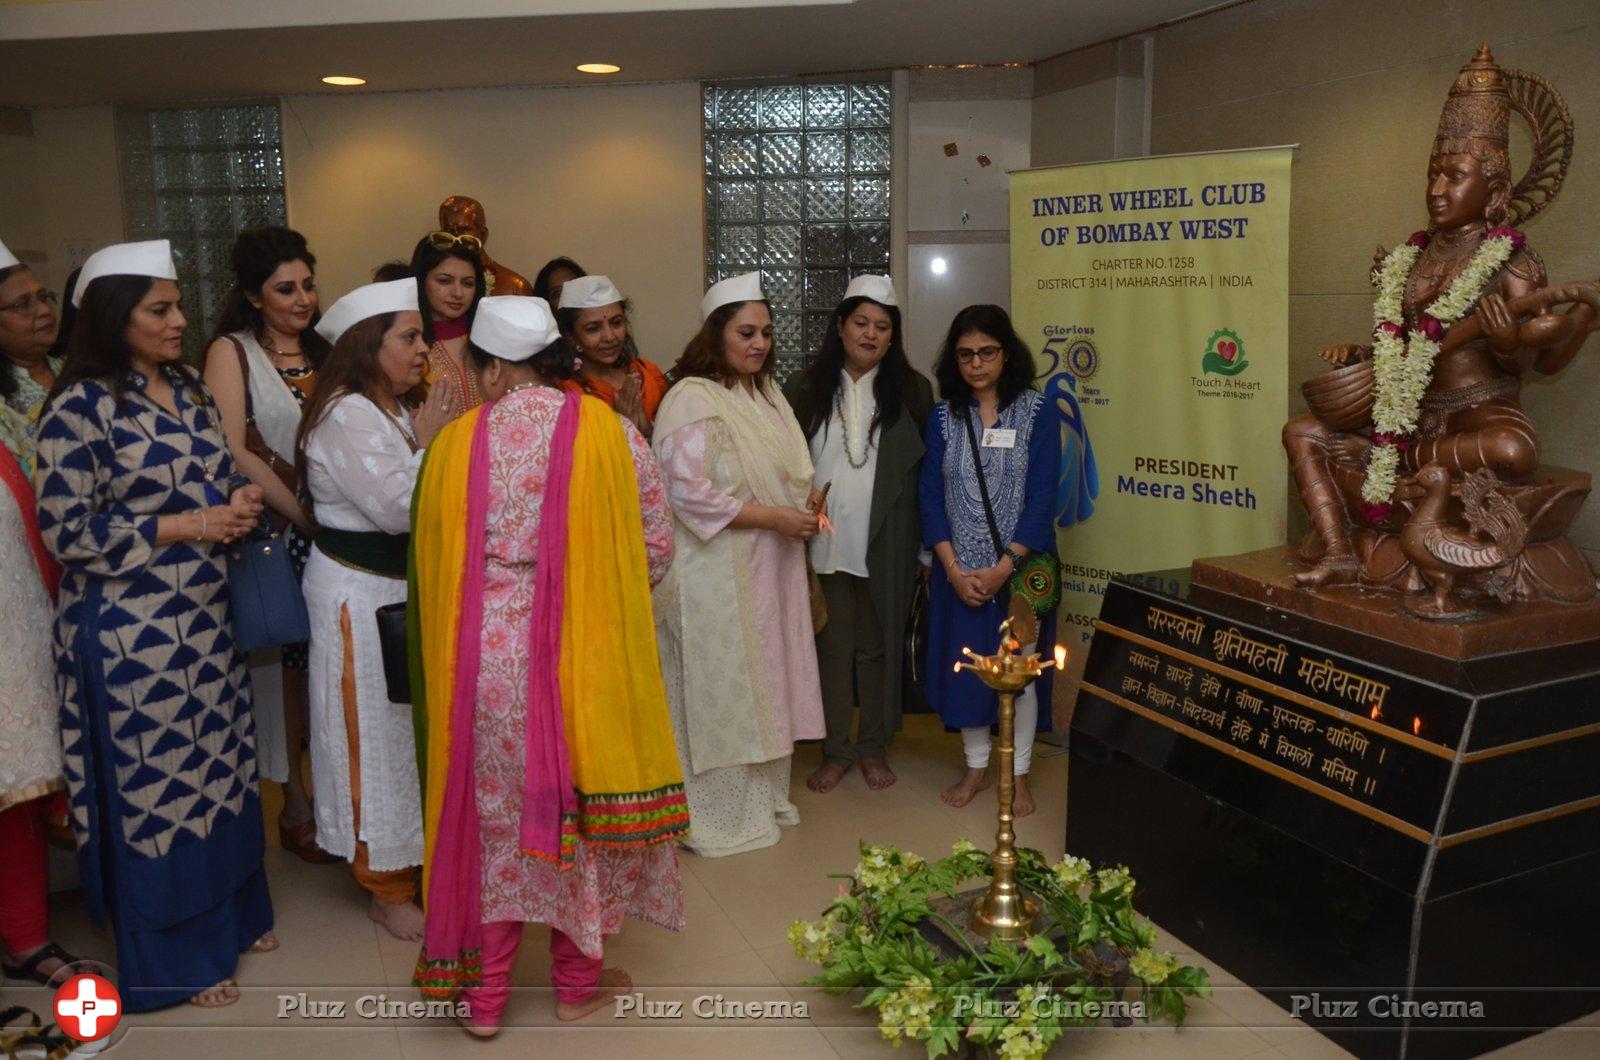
<point>361,471</point>
<point>30,742</point>
<point>850,497</point>
<point>749,690</point>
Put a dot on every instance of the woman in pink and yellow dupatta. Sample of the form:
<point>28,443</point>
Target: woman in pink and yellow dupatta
<point>552,793</point>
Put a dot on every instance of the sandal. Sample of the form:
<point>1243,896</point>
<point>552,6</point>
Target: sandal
<point>301,841</point>
<point>46,1043</point>
<point>29,969</point>
<point>11,1033</point>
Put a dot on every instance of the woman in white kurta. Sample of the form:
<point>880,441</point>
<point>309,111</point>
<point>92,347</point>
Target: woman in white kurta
<point>359,453</point>
<point>734,614</point>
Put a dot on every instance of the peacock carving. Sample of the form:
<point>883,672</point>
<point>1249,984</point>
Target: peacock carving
<point>1495,536</point>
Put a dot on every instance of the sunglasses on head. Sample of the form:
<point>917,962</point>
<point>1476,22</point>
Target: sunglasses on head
<point>442,240</point>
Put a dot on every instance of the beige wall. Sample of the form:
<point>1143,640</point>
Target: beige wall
<point>610,176</point>
<point>80,190</point>
<point>1359,85</point>
<point>19,187</point>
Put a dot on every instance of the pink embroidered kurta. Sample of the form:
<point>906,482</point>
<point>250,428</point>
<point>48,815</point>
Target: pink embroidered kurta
<point>589,900</point>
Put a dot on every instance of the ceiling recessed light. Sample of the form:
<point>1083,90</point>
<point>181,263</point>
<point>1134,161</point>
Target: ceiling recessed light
<point>344,82</point>
<point>599,68</point>
<point>937,266</point>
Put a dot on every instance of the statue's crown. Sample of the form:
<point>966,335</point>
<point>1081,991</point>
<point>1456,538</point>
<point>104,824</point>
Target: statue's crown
<point>1479,106</point>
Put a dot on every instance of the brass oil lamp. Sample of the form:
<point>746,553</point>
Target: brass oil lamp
<point>1004,912</point>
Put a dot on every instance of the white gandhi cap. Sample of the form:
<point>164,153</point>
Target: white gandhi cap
<point>746,288</point>
<point>514,327</point>
<point>152,258</point>
<point>395,296</point>
<point>589,292</point>
<point>878,288</point>
<point>7,259</point>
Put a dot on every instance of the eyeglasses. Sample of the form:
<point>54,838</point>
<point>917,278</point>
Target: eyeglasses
<point>442,240</point>
<point>30,303</point>
<point>982,353</point>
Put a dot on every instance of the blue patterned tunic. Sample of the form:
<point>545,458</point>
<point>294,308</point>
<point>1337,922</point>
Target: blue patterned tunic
<point>1022,488</point>
<point>156,725</point>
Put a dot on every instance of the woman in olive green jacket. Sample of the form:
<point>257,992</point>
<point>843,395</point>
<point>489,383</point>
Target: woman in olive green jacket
<point>862,408</point>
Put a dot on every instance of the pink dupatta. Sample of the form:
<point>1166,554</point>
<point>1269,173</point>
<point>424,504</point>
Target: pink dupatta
<point>549,803</point>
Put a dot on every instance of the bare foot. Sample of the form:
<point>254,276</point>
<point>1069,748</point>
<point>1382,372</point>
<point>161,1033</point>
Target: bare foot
<point>265,944</point>
<point>961,792</point>
<point>403,921</point>
<point>1335,569</point>
<point>1022,801</point>
<point>878,773</point>
<point>224,993</point>
<point>826,778</point>
<point>478,1030</point>
<point>614,982</point>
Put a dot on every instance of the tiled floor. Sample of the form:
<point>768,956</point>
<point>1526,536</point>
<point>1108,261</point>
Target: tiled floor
<point>738,909</point>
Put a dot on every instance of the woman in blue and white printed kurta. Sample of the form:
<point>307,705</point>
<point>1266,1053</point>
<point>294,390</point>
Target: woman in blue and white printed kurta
<point>156,724</point>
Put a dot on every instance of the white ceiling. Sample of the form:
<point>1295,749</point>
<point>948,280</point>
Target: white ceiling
<point>63,52</point>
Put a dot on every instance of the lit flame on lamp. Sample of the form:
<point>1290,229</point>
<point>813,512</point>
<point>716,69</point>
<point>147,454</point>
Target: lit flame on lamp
<point>1416,726</point>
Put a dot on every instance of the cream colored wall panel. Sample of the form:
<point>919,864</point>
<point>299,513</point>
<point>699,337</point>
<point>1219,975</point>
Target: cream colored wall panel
<point>610,176</point>
<point>954,192</point>
<point>80,183</point>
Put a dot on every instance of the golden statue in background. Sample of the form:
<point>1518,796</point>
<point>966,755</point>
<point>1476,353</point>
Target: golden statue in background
<point>463,216</point>
<point>1417,464</point>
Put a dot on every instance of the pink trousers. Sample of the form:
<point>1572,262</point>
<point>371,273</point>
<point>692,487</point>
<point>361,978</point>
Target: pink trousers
<point>574,976</point>
<point>24,877</point>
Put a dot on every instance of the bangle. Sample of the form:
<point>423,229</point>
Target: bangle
<point>201,536</point>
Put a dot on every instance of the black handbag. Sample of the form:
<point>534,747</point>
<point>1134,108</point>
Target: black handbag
<point>269,610</point>
<point>396,655</point>
<point>1038,578</point>
<point>914,673</point>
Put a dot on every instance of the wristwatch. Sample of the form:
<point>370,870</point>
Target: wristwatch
<point>1015,557</point>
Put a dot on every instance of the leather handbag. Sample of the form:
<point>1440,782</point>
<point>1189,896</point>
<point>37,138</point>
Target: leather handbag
<point>1037,580</point>
<point>396,655</point>
<point>269,610</point>
<point>914,674</point>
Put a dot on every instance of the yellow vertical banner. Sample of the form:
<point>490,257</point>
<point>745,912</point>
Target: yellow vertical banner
<point>1155,294</point>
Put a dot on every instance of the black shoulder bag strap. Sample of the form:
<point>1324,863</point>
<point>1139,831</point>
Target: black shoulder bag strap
<point>983,487</point>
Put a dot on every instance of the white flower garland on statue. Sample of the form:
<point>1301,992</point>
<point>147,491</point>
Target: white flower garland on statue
<point>1402,360</point>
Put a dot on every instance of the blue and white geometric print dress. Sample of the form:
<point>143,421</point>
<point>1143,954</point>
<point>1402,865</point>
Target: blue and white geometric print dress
<point>1022,490</point>
<point>156,726</point>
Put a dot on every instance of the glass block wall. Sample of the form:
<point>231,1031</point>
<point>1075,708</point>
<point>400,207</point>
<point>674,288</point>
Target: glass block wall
<point>198,176</point>
<point>797,185</point>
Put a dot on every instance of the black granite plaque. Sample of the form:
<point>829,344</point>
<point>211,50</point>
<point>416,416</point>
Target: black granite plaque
<point>1372,847</point>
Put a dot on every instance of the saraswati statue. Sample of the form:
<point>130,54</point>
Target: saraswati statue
<point>1417,464</point>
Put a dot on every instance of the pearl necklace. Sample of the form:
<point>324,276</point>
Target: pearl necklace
<point>844,425</point>
<point>521,386</point>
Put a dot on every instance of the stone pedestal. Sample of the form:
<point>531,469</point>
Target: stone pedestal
<point>1393,832</point>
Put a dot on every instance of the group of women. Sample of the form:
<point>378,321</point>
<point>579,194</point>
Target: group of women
<point>593,554</point>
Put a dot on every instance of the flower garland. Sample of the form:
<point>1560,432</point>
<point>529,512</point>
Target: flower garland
<point>1402,359</point>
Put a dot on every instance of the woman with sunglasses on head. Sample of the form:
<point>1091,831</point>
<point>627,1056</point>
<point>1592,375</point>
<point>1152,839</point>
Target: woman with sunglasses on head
<point>594,318</point>
<point>261,367</point>
<point>449,272</point>
<point>137,490</point>
<point>29,324</point>
<point>990,473</point>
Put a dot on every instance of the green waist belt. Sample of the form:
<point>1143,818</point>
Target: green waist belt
<point>366,550</point>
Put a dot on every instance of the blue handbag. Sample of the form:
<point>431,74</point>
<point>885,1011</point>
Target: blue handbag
<point>269,610</point>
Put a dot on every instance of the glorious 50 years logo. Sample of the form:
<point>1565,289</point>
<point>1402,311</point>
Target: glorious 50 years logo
<point>1224,353</point>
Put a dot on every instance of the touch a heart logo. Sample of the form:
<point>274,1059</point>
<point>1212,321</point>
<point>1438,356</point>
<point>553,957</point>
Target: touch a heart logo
<point>1224,353</point>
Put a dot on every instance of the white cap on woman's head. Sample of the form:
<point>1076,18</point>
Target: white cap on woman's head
<point>514,327</point>
<point>878,288</point>
<point>7,259</point>
<point>152,258</point>
<point>746,288</point>
<point>394,296</point>
<point>589,292</point>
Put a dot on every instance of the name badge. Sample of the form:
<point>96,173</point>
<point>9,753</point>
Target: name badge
<point>999,438</point>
